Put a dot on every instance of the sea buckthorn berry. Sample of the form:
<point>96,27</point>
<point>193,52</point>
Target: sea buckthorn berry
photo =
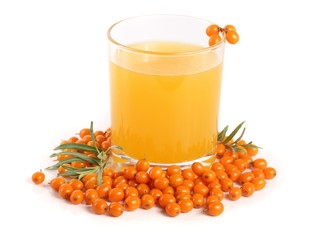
<point>175,180</point>
<point>246,177</point>
<point>241,153</point>
<point>131,192</point>
<point>116,195</point>
<point>122,186</point>
<point>226,160</point>
<point>90,196</point>
<point>198,168</point>
<point>220,149</point>
<point>77,197</point>
<point>252,151</point>
<point>147,201</point>
<point>99,206</point>
<point>232,37</point>
<point>165,199</point>
<point>182,189</point>
<point>91,184</point>
<point>212,29</point>
<point>247,189</point>
<point>133,183</point>
<point>78,164</point>
<point>107,180</point>
<point>248,159</point>
<point>116,209</point>
<point>142,165</point>
<point>182,196</point>
<point>155,172</point>
<point>173,169</point>
<point>73,139</point>
<point>221,174</point>
<point>76,184</point>
<point>188,183</point>
<point>215,208</point>
<point>198,200</point>
<point>258,173</point>
<point>198,180</point>
<point>231,28</point>
<point>188,174</point>
<point>80,141</point>
<point>168,190</point>
<point>84,132</point>
<point>214,39</point>
<point>202,189</point>
<point>217,192</point>
<point>100,139</point>
<point>259,183</point>
<point>61,169</point>
<point>65,190</point>
<point>260,163</point>
<point>226,184</point>
<point>208,176</point>
<point>164,174</point>
<point>241,142</point>
<point>161,183</point>
<point>214,184</point>
<point>89,176</point>
<point>229,153</point>
<point>186,205</point>
<point>269,173</point>
<point>235,193</point>
<point>240,164</point>
<point>132,203</point>
<point>156,194</point>
<point>143,189</point>
<point>211,199</point>
<point>91,143</point>
<point>119,179</point>
<point>216,167</point>
<point>99,133</point>
<point>234,174</point>
<point>105,145</point>
<point>118,174</point>
<point>108,172</point>
<point>87,138</point>
<point>142,177</point>
<point>57,182</point>
<point>130,172</point>
<point>173,209</point>
<point>103,190</point>
<point>38,177</point>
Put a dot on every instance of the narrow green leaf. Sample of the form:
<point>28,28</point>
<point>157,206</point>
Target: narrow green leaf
<point>68,160</point>
<point>80,169</point>
<point>233,133</point>
<point>77,146</point>
<point>251,146</point>
<point>240,150</point>
<point>240,137</point>
<point>79,155</point>
<point>100,176</point>
<point>93,136</point>
<point>222,134</point>
<point>69,173</point>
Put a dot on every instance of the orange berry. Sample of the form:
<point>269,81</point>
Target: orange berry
<point>103,190</point>
<point>90,196</point>
<point>217,167</point>
<point>122,186</point>
<point>246,177</point>
<point>108,172</point>
<point>73,139</point>
<point>217,192</point>
<point>234,174</point>
<point>252,151</point>
<point>269,172</point>
<point>61,169</point>
<point>130,172</point>
<point>247,189</point>
<point>91,184</point>
<point>232,37</point>
<point>116,209</point>
<point>201,189</point>
<point>226,184</point>
<point>188,174</point>
<point>215,208</point>
<point>226,160</point>
<point>57,182</point>
<point>155,172</point>
<point>235,193</point>
<point>78,164</point>
<point>156,194</point>
<point>208,176</point>
<point>211,199</point>
<point>176,180</point>
<point>105,145</point>
<point>87,138</point>
<point>230,28</point>
<point>165,199</point>
<point>168,190</point>
<point>214,39</point>
<point>100,139</point>
<point>89,176</point>
<point>240,164</point>
<point>173,169</point>
<point>260,163</point>
<point>99,206</point>
<point>99,133</point>
<point>258,172</point>
<point>65,190</point>
<point>221,174</point>
<point>142,177</point>
<point>76,184</point>
<point>116,195</point>
<point>38,177</point>
<point>77,197</point>
<point>132,203</point>
<point>198,168</point>
<point>259,183</point>
<point>220,149</point>
<point>173,209</point>
<point>241,153</point>
<point>107,180</point>
<point>143,189</point>
<point>161,183</point>
<point>212,29</point>
<point>186,205</point>
<point>131,192</point>
<point>198,200</point>
<point>182,189</point>
<point>133,183</point>
<point>188,183</point>
<point>214,184</point>
<point>142,165</point>
<point>84,132</point>
<point>118,180</point>
<point>182,196</point>
<point>118,174</point>
<point>248,159</point>
<point>198,180</point>
<point>147,201</point>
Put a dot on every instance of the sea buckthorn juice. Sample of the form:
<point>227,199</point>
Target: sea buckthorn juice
<point>164,96</point>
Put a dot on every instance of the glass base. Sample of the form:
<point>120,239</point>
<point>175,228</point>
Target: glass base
<point>120,160</point>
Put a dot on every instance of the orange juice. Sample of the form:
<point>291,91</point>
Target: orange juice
<point>165,107</point>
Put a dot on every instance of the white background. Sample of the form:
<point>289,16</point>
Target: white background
<point>54,81</point>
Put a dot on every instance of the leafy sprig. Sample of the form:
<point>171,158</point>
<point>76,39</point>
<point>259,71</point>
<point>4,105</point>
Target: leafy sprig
<point>234,146</point>
<point>98,162</point>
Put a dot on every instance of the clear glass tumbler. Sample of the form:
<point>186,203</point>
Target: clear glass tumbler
<point>165,85</point>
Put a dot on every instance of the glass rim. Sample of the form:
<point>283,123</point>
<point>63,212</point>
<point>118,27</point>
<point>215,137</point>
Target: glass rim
<point>197,51</point>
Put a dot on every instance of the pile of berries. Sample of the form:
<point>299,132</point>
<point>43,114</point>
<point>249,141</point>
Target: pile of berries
<point>173,189</point>
<point>213,32</point>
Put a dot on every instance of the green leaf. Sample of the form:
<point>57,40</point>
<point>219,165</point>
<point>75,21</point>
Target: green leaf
<point>78,155</point>
<point>80,169</point>
<point>68,160</point>
<point>69,173</point>
<point>240,137</point>
<point>251,146</point>
<point>222,134</point>
<point>93,136</point>
<point>77,146</point>
<point>100,175</point>
<point>240,150</point>
<point>233,133</point>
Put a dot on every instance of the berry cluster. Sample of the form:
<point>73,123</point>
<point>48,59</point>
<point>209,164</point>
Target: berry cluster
<point>213,32</point>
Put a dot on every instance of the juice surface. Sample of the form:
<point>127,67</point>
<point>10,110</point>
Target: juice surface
<point>165,108</point>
